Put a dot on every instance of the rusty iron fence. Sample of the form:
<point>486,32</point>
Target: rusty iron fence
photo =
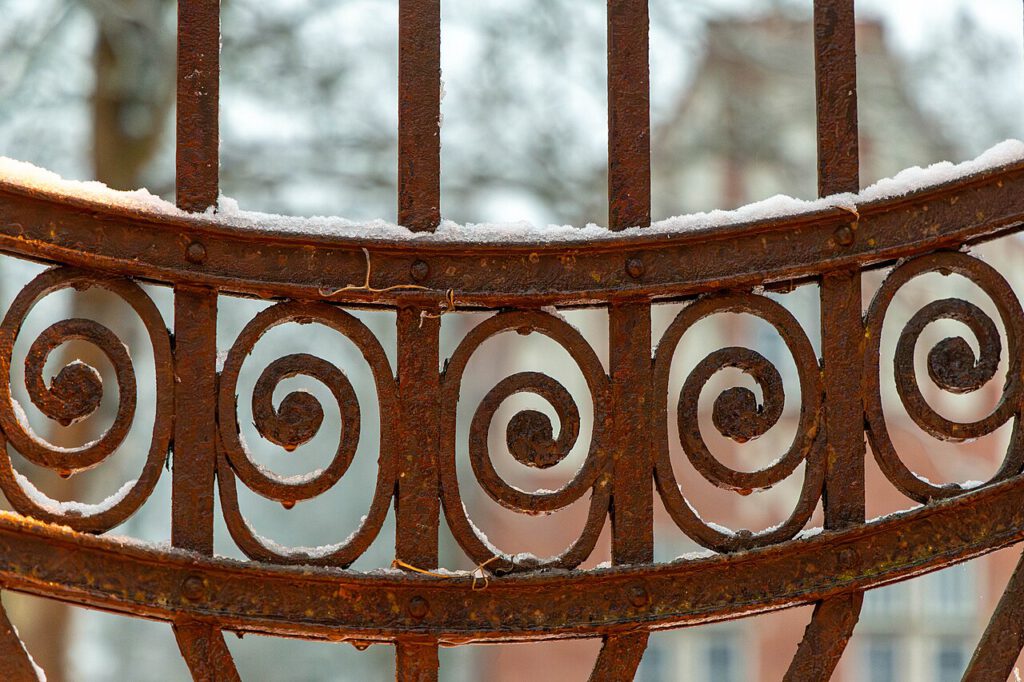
<point>63,554</point>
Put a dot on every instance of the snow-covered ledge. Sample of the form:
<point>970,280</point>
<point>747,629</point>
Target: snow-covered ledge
<point>229,214</point>
<point>776,242</point>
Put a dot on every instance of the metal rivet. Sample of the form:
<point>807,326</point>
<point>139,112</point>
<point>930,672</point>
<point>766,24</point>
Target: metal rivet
<point>844,235</point>
<point>418,607</point>
<point>635,268</point>
<point>847,557</point>
<point>193,588</point>
<point>638,595</point>
<point>419,271</point>
<point>196,253</point>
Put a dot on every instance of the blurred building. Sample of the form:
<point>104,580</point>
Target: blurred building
<point>745,130</point>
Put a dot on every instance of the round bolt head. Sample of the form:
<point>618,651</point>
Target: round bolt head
<point>847,557</point>
<point>418,607</point>
<point>193,588</point>
<point>638,595</point>
<point>196,253</point>
<point>844,235</point>
<point>635,268</point>
<point>419,270</point>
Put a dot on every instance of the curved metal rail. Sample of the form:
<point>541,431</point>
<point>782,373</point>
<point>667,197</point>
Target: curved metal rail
<point>332,604</point>
<point>269,264</point>
<point>59,550</point>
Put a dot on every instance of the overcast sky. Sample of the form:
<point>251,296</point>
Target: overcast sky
<point>910,19</point>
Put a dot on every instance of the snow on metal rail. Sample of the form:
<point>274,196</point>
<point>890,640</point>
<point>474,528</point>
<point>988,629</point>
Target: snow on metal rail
<point>209,250</point>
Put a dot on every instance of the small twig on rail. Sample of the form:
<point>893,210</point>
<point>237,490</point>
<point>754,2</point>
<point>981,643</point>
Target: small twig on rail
<point>478,572</point>
<point>365,286</point>
<point>482,574</point>
<point>450,308</point>
<point>398,563</point>
<point>850,209</point>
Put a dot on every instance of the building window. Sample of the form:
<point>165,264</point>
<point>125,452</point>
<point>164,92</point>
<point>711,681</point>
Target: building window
<point>948,592</point>
<point>885,602</point>
<point>950,660</point>
<point>654,664</point>
<point>881,661</point>
<point>721,659</point>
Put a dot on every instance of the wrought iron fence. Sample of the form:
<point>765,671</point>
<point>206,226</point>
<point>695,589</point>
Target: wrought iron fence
<point>61,552</point>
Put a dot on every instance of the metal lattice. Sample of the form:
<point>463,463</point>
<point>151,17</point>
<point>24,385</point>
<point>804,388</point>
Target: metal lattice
<point>63,555</point>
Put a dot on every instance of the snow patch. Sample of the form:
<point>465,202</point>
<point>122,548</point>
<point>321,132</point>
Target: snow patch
<point>34,177</point>
<point>228,212</point>
<point>52,506</point>
<point>40,673</point>
<point>318,552</point>
<point>886,517</point>
<point>22,418</point>
<point>809,533</point>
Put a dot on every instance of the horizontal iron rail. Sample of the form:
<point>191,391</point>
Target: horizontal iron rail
<point>321,603</point>
<point>260,263</point>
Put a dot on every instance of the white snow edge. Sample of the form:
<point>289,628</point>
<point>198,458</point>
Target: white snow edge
<point>228,212</point>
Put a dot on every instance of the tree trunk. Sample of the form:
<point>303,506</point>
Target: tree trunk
<point>133,63</point>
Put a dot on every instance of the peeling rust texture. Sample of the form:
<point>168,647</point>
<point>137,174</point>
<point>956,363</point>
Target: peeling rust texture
<point>198,128</point>
<point>419,114</point>
<point>264,264</point>
<point>14,660</point>
<point>197,184</point>
<point>60,552</point>
<point>205,652</point>
<point>997,652</point>
<point>417,503</point>
<point>842,330</point>
<point>303,601</point>
<point>629,118</point>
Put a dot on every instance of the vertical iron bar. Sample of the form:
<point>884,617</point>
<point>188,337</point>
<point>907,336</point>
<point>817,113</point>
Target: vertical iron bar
<point>419,114</point>
<point>195,324</point>
<point>842,348</point>
<point>14,659</point>
<point>198,130</point>
<point>1001,644</point>
<point>195,426</point>
<point>841,311</point>
<point>632,511</point>
<point>1003,640</point>
<point>205,652</point>
<point>195,308</point>
<point>633,486</point>
<point>835,65</point>
<point>417,498</point>
<point>842,329</point>
<point>629,114</point>
<point>419,201</point>
<point>416,661</point>
<point>629,205</point>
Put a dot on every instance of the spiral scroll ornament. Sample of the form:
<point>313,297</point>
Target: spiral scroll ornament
<point>74,394</point>
<point>952,367</point>
<point>737,415</point>
<point>295,421</point>
<point>530,440</point>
